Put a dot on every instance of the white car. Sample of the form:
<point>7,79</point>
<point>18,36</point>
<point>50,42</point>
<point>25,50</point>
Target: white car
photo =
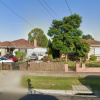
<point>5,60</point>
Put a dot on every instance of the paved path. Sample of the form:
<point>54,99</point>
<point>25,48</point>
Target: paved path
<point>64,74</point>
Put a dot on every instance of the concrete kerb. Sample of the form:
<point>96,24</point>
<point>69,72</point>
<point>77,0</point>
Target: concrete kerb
<point>52,92</point>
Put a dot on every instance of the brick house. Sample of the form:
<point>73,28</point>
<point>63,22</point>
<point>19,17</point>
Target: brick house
<point>94,48</point>
<point>20,45</point>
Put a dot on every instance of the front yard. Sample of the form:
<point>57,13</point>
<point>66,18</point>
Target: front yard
<point>71,64</point>
<point>59,83</point>
<point>93,64</point>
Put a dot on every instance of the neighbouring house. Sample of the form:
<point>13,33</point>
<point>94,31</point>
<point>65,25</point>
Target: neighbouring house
<point>21,45</point>
<point>94,48</point>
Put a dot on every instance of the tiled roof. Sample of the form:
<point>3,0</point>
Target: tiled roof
<point>17,43</point>
<point>22,43</point>
<point>6,44</point>
<point>92,42</point>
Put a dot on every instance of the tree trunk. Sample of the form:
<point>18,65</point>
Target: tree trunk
<point>66,57</point>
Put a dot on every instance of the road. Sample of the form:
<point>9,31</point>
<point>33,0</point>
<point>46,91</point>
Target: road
<point>6,96</point>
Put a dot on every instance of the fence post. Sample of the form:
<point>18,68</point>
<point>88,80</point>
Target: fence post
<point>83,65</point>
<point>77,67</point>
<point>66,67</point>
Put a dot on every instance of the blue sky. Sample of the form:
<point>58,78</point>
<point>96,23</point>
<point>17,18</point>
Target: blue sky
<point>13,28</point>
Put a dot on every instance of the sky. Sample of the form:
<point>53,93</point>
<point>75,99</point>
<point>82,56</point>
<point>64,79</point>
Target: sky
<point>13,27</point>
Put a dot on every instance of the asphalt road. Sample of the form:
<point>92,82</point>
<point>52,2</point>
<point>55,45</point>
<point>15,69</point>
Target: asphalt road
<point>6,96</point>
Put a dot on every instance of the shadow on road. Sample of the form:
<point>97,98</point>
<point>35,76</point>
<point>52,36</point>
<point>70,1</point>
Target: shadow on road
<point>38,97</point>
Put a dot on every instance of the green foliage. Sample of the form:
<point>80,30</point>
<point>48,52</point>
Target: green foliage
<point>93,58</point>
<point>39,35</point>
<point>64,32</point>
<point>81,48</point>
<point>57,60</point>
<point>50,49</point>
<point>50,57</point>
<point>20,54</point>
<point>87,37</point>
<point>0,53</point>
<point>61,83</point>
<point>93,64</point>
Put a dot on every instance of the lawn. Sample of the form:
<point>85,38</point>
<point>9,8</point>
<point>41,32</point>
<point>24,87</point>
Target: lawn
<point>71,64</point>
<point>59,83</point>
<point>93,64</point>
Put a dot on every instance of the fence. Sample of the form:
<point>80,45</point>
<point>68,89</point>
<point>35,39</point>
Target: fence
<point>44,66</point>
<point>84,69</point>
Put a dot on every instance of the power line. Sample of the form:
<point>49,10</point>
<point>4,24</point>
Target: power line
<point>46,8</point>
<point>68,7</point>
<point>51,8</point>
<point>16,13</point>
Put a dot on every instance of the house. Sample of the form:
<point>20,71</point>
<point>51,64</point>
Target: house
<point>21,45</point>
<point>94,48</point>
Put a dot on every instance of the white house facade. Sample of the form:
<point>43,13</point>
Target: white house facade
<point>21,45</point>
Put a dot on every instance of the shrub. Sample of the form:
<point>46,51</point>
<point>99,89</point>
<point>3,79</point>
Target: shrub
<point>57,60</point>
<point>45,58</point>
<point>93,57</point>
<point>20,55</point>
<point>50,57</point>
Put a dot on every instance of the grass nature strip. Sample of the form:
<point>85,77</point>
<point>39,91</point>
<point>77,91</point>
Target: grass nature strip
<point>59,83</point>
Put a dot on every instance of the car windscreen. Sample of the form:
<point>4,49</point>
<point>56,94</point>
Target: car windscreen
<point>11,56</point>
<point>33,54</point>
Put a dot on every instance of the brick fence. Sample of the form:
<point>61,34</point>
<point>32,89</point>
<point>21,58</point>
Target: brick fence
<point>0,66</point>
<point>6,66</point>
<point>52,66</point>
<point>84,69</point>
<point>23,66</point>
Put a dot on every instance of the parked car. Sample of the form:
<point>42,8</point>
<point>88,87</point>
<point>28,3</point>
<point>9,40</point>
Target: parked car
<point>11,57</point>
<point>40,57</point>
<point>33,57</point>
<point>5,60</point>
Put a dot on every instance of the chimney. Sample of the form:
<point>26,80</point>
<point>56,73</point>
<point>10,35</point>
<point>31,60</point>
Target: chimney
<point>35,43</point>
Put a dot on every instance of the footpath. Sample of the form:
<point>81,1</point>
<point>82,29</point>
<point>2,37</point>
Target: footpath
<point>10,82</point>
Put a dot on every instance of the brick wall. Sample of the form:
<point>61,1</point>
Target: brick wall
<point>84,69</point>
<point>23,66</point>
<point>44,66</point>
<point>0,66</point>
<point>6,66</point>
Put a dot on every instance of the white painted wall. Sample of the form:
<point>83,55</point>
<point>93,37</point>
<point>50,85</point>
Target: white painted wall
<point>36,51</point>
<point>97,51</point>
<point>91,52</point>
<point>14,52</point>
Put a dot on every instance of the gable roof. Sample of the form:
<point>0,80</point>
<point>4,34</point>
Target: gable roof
<point>92,42</point>
<point>21,43</point>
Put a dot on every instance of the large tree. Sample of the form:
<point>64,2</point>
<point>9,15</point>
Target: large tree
<point>81,48</point>
<point>88,36</point>
<point>39,35</point>
<point>65,32</point>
